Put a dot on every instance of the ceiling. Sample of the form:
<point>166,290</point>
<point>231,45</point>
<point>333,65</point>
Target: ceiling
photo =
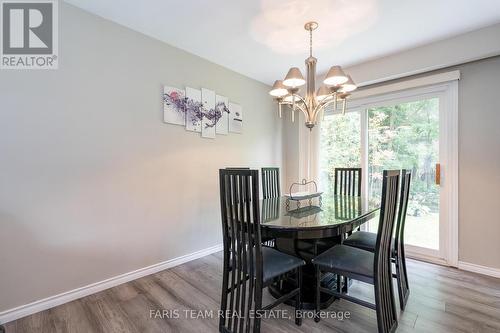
<point>263,38</point>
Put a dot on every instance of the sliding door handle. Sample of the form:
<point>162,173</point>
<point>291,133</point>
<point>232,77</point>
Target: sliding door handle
<point>438,173</point>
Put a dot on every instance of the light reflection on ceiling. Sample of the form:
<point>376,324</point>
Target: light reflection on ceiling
<point>280,23</point>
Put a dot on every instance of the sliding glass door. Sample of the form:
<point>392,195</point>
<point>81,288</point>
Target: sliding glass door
<point>406,136</point>
<point>398,131</point>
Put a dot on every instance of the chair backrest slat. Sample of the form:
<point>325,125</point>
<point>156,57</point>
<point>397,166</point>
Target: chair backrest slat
<point>384,296</point>
<point>347,181</point>
<point>240,214</point>
<point>403,205</point>
<point>271,183</point>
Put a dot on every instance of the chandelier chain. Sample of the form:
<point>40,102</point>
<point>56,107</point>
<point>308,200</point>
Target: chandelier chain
<point>310,42</point>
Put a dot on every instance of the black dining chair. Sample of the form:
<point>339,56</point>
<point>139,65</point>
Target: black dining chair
<point>367,241</point>
<point>347,181</point>
<point>270,189</point>
<point>267,241</point>
<point>271,182</point>
<point>369,267</point>
<point>249,267</point>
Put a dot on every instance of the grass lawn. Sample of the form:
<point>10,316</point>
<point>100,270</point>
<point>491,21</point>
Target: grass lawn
<point>420,231</point>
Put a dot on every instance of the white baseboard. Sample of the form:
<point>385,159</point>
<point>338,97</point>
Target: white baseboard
<point>50,302</point>
<point>466,266</point>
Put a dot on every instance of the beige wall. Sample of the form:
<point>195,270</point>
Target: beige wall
<point>479,162</point>
<point>92,183</point>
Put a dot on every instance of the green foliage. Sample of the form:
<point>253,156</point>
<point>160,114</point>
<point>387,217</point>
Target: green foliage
<point>340,144</point>
<point>400,136</point>
<point>406,136</point>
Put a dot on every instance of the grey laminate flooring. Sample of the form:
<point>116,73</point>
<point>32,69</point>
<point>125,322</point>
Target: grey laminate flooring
<point>442,300</point>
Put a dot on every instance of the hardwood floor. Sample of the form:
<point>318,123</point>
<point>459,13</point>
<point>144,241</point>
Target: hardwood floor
<point>441,300</point>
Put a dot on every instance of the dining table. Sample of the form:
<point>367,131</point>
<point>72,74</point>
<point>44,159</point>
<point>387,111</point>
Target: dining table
<point>309,227</point>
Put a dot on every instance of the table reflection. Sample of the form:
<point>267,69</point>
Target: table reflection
<point>331,211</point>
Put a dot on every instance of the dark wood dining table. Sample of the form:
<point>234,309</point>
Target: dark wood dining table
<point>309,230</point>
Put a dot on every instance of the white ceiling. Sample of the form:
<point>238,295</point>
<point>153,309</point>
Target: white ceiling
<point>263,38</point>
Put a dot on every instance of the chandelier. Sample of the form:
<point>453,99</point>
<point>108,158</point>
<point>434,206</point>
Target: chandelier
<point>336,88</point>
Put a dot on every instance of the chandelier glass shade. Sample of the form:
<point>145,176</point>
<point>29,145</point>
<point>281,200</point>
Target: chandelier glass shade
<point>336,88</point>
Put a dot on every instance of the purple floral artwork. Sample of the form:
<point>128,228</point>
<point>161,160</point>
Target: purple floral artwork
<point>194,109</point>
<point>173,106</point>
<point>209,113</point>
<point>222,112</point>
<point>199,110</point>
<point>214,115</point>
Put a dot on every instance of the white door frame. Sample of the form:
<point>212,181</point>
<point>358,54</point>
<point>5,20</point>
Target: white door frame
<point>447,92</point>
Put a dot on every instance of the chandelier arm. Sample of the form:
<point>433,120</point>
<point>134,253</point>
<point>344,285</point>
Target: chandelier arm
<point>299,107</point>
<point>326,99</point>
<point>305,109</point>
<point>300,98</point>
<point>323,105</point>
<point>324,102</point>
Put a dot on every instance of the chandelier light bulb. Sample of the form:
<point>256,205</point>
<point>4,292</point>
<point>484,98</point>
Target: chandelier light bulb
<point>278,89</point>
<point>348,86</point>
<point>323,92</point>
<point>294,78</point>
<point>335,76</point>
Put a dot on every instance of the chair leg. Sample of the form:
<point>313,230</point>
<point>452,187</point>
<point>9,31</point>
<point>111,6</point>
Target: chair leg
<point>402,280</point>
<point>318,295</point>
<point>298,301</point>
<point>345,288</point>
<point>346,280</point>
<point>258,308</point>
<point>225,281</point>
<point>385,306</point>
